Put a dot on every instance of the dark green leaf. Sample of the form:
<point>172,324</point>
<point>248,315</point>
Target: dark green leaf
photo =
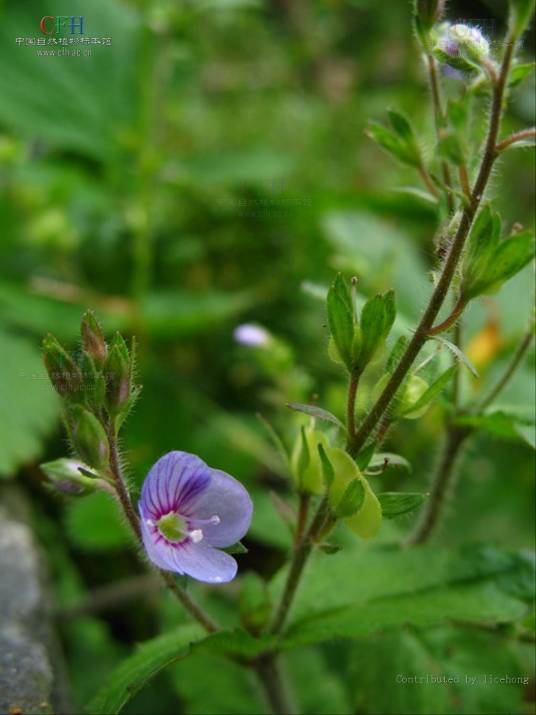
<point>341,318</point>
<point>135,671</point>
<point>352,499</point>
<point>237,548</point>
<point>396,503</point>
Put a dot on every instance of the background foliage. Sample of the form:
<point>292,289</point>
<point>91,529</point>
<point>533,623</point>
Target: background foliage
<point>208,169</point>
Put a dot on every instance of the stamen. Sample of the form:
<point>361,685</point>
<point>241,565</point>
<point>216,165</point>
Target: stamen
<point>196,535</point>
<point>214,519</point>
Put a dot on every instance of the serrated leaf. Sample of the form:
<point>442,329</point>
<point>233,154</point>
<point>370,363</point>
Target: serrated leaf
<point>138,669</point>
<point>435,389</point>
<point>397,503</point>
<point>317,413</point>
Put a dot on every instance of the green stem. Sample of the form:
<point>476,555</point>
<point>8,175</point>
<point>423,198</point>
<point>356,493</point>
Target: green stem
<point>449,269</point>
<point>350,406</point>
<point>452,318</point>
<point>516,137</point>
<point>511,368</point>
<point>441,484</point>
<point>439,116</point>
<point>297,565</point>
<point>269,673</point>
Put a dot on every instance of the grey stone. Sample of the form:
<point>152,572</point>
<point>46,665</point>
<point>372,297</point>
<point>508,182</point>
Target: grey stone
<point>29,665</point>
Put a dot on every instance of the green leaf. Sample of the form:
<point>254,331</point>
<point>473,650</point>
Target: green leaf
<point>341,318</point>
<point>237,548</point>
<point>352,499</point>
<point>519,72</point>
<point>29,407</point>
<point>402,127</point>
<point>397,503</point>
<point>435,389</point>
<point>474,603</point>
<point>364,457</point>
<point>134,672</point>
<point>490,262</point>
<point>376,320</point>
<point>393,460</point>
<point>103,112</point>
<point>94,524</point>
<point>521,12</point>
<point>501,424</point>
<point>458,354</point>
<point>317,413</point>
<point>400,148</point>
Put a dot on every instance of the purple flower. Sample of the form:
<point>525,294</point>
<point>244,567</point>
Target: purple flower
<point>251,335</point>
<point>188,513</point>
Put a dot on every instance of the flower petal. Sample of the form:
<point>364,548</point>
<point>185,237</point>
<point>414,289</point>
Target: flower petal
<point>159,551</point>
<point>174,481</point>
<point>227,499</point>
<point>202,562</point>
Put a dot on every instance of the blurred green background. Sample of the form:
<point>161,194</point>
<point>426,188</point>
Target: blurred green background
<point>206,169</point>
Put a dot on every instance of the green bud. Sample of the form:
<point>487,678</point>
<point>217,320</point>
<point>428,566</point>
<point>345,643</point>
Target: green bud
<point>93,339</point>
<point>62,371</point>
<point>93,382</point>
<point>410,392</point>
<point>64,476</point>
<point>88,437</point>
<point>305,462</point>
<point>462,47</point>
<point>118,375</point>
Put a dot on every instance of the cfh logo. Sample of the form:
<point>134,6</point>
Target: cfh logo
<point>62,24</point>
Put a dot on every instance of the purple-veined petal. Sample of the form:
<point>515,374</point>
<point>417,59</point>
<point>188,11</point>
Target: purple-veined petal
<point>202,562</point>
<point>174,483</point>
<point>227,499</point>
<point>159,551</point>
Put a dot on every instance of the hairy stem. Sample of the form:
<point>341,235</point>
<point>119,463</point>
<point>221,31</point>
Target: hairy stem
<point>350,406</point>
<point>440,486</point>
<point>303,510</point>
<point>442,288</point>
<point>511,368</point>
<point>516,137</point>
<point>452,318</point>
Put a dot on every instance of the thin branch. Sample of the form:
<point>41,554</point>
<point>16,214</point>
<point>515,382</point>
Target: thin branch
<point>269,673</point>
<point>516,137</point>
<point>441,484</point>
<point>350,406</point>
<point>510,370</point>
<point>452,318</point>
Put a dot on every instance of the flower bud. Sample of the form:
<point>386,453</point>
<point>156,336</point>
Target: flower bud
<point>64,476</point>
<point>118,375</point>
<point>305,462</point>
<point>62,371</point>
<point>88,437</point>
<point>408,395</point>
<point>461,46</point>
<point>92,338</point>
